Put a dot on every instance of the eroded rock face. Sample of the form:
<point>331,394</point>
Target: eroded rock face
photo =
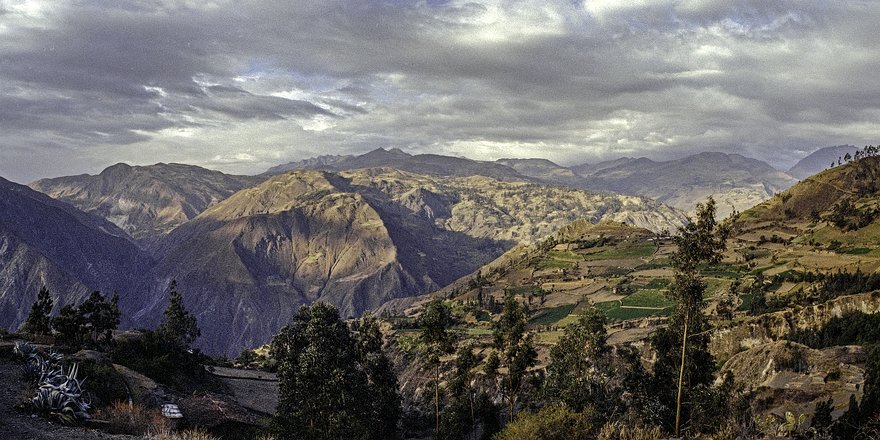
<point>729,340</point>
<point>147,202</point>
<point>790,377</point>
<point>356,240</point>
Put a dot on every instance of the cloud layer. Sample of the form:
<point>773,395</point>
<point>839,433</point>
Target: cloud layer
<point>243,85</point>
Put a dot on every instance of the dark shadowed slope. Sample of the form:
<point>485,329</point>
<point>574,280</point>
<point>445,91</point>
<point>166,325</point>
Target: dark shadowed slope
<point>45,242</point>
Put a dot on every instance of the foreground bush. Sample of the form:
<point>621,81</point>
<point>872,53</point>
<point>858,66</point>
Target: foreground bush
<point>133,419</point>
<point>554,422</point>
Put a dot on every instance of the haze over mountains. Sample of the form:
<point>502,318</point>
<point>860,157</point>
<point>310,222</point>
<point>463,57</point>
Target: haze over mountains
<point>354,231</point>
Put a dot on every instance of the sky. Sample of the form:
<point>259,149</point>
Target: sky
<point>243,85</point>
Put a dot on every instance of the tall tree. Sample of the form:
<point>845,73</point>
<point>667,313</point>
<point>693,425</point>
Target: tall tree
<point>439,341</point>
<point>39,321</point>
<point>580,373</point>
<point>382,382</point>
<point>683,346</point>
<point>516,347</point>
<point>325,390</point>
<point>90,324</point>
<point>179,326</point>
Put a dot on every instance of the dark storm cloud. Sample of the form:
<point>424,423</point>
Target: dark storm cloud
<point>244,85</point>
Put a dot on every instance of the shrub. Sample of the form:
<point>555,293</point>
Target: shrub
<point>183,435</point>
<point>619,431</point>
<point>134,419</point>
<point>105,384</point>
<point>553,422</point>
<point>165,362</point>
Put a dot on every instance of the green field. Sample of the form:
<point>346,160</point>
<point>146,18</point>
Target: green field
<point>553,315</point>
<point>651,302</point>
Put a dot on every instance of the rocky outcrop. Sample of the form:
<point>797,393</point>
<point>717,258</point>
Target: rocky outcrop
<point>751,332</point>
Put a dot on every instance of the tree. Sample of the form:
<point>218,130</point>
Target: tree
<point>90,324</point>
<point>179,325</point>
<point>100,317</point>
<point>579,373</point>
<point>822,418</point>
<point>39,321</point>
<point>434,323</point>
<point>682,347</point>
<point>516,348</point>
<point>385,402</point>
<point>68,324</point>
<point>325,388</point>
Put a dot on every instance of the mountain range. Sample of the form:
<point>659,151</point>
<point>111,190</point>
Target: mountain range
<point>354,231</point>
<point>819,160</point>
<point>736,182</point>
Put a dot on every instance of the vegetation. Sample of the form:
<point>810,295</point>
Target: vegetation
<point>516,348</point>
<point>179,327</point>
<point>438,341</point>
<point>39,321</point>
<point>163,354</point>
<point>89,325</point>
<point>328,389</point>
<point>553,422</point>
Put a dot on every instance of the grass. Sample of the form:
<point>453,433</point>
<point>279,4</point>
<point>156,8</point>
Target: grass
<point>558,260</point>
<point>623,251</point>
<point>652,302</point>
<point>552,315</point>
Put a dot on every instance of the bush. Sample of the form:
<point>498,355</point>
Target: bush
<point>183,435</point>
<point>553,422</point>
<point>105,384</point>
<point>165,362</point>
<point>134,419</point>
<point>619,431</point>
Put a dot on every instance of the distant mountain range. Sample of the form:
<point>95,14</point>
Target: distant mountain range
<point>819,160</point>
<point>736,182</point>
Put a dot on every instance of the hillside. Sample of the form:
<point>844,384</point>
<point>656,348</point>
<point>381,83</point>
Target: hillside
<point>45,242</point>
<point>146,201</point>
<point>735,181</point>
<point>792,266</point>
<point>357,239</point>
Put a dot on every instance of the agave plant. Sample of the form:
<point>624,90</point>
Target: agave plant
<point>61,394</point>
<point>24,349</point>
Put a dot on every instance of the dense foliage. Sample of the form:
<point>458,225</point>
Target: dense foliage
<point>328,383</point>
<point>39,321</point>
<point>89,325</point>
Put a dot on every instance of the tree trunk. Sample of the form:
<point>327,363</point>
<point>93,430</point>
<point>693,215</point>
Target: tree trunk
<point>437,402</point>
<point>681,373</point>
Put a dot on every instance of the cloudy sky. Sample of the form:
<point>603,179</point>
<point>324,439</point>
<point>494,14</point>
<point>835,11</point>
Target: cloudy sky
<point>243,85</point>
